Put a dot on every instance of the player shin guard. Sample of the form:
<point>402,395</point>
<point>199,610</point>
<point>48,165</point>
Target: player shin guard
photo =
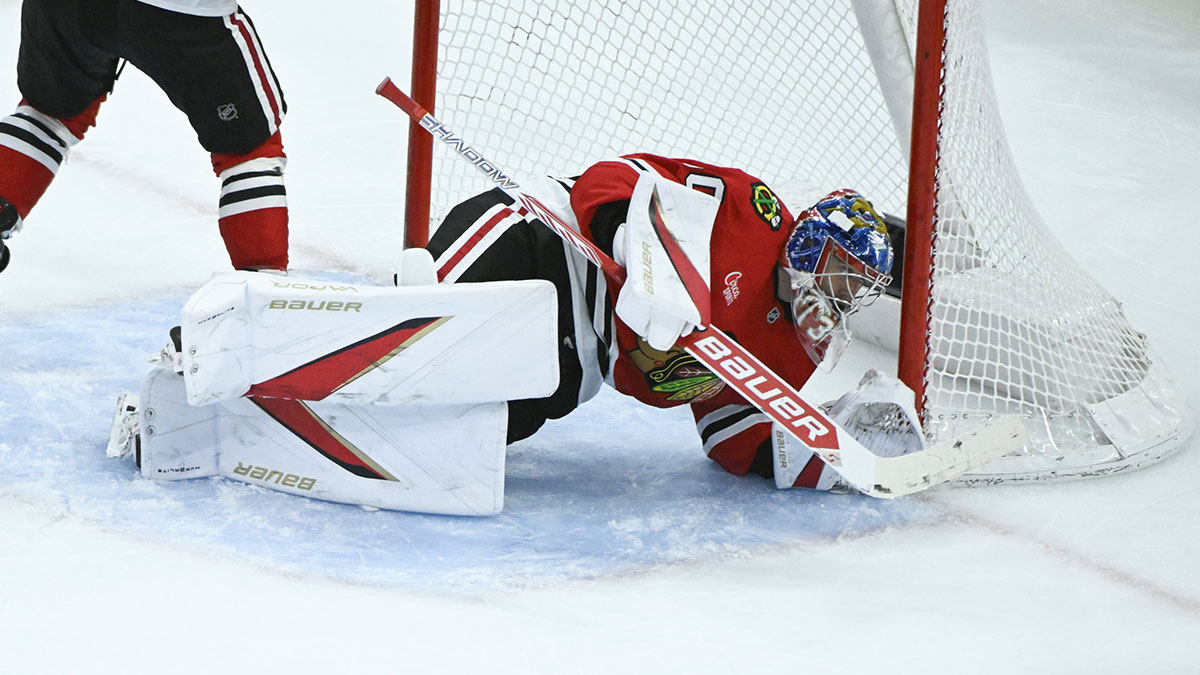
<point>253,209</point>
<point>32,148</point>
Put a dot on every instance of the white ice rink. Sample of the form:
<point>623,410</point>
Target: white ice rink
<point>102,574</point>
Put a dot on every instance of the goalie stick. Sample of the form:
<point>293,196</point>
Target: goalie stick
<point>885,477</point>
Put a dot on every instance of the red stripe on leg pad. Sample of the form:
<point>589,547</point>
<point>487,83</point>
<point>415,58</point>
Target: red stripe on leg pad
<point>299,419</point>
<point>324,375</point>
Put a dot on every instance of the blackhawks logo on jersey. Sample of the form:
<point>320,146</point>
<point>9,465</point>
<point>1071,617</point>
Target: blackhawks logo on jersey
<point>766,205</point>
<point>675,374</point>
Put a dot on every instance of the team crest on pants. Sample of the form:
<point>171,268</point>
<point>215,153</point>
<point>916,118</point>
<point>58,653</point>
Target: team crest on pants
<point>675,374</point>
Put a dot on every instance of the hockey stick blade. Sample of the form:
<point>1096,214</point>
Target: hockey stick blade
<point>899,476</point>
<point>746,374</point>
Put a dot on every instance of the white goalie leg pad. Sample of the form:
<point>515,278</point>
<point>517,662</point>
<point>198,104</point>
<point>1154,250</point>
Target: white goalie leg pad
<point>654,301</point>
<point>178,440</point>
<point>879,413</point>
<point>428,459</point>
<point>249,333</point>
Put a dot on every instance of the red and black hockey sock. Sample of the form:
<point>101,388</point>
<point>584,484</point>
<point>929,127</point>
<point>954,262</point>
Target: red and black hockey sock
<point>32,148</point>
<point>253,209</point>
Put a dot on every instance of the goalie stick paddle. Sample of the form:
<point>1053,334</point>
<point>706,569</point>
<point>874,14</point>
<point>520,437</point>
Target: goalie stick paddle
<point>885,477</point>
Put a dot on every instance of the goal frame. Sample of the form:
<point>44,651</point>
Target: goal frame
<point>922,212</point>
<point>916,312</point>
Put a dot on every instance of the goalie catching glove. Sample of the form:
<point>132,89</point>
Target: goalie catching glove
<point>879,413</point>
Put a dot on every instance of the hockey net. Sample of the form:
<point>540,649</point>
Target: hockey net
<point>825,88</point>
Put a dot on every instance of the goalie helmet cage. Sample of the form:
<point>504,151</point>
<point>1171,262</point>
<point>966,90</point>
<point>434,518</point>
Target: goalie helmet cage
<point>996,318</point>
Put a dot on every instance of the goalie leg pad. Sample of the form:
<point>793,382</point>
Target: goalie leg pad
<point>178,441</point>
<point>248,333</point>
<point>430,459</point>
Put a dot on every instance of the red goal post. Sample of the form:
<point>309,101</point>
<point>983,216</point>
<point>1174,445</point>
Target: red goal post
<point>878,95</point>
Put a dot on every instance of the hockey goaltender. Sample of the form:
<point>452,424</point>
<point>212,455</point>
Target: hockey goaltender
<point>406,397</point>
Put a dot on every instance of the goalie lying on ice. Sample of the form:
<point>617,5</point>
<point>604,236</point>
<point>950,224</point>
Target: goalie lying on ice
<point>326,390</point>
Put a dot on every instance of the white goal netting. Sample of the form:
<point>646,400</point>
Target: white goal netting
<point>824,89</point>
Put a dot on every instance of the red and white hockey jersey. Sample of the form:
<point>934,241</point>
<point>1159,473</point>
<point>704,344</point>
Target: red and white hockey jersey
<point>747,239</point>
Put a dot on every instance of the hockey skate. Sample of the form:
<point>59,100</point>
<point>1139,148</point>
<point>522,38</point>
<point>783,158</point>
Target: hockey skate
<point>123,436</point>
<point>10,223</point>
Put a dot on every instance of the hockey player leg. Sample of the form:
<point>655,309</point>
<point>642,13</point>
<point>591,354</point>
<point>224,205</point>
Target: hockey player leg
<point>253,213</point>
<point>446,459</point>
<point>215,70</point>
<point>33,146</point>
<point>65,69</point>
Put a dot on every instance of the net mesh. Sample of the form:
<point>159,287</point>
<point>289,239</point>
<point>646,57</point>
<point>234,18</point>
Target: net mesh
<point>785,89</point>
<point>1017,325</point>
<point>558,86</point>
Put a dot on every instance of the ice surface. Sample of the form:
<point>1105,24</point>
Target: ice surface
<point>582,502</point>
<point>621,549</point>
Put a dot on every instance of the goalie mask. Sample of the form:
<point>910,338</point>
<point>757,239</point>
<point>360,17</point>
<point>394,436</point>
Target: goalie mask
<point>837,260</point>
